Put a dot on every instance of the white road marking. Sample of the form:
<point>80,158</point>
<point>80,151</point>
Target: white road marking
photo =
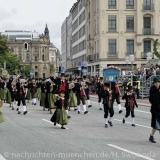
<point>135,124</point>
<point>52,123</point>
<point>134,110</point>
<point>2,158</point>
<point>133,153</point>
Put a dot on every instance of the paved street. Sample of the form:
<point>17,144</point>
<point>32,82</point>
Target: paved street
<point>33,136</point>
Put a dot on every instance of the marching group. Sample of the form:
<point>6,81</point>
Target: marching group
<point>60,94</point>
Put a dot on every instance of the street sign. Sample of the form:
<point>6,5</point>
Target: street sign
<point>84,70</point>
<point>85,63</point>
<point>31,72</point>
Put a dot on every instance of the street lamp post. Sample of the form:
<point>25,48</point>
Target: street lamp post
<point>131,59</point>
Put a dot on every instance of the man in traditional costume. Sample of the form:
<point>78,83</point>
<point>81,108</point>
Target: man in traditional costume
<point>100,88</point>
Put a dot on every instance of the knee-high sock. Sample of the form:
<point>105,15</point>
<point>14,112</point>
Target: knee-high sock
<point>106,120</point>
<point>24,108</point>
<point>19,108</point>
<point>110,119</point>
<point>132,120</point>
<point>119,107</point>
<point>79,107</point>
<point>89,102</point>
<point>67,112</point>
<point>34,100</point>
<point>84,108</point>
<point>100,105</point>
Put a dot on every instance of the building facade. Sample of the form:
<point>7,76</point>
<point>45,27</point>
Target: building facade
<point>54,57</point>
<point>119,28</point>
<point>64,44</point>
<point>37,54</point>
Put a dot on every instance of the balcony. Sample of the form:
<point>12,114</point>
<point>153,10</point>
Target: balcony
<point>148,7</point>
<point>148,31</point>
<point>111,6</point>
<point>112,30</point>
<point>130,53</point>
<point>112,55</point>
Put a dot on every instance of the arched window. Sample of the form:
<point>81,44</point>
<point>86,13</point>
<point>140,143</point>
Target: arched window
<point>20,56</point>
<point>36,58</point>
<point>43,58</point>
<point>27,57</point>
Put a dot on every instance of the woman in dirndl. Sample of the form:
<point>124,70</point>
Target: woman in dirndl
<point>60,115</point>
<point>43,94</point>
<point>154,99</point>
<point>72,95</point>
<point>1,114</point>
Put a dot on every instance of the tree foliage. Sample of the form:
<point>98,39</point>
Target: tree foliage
<point>155,50</point>
<point>3,45</point>
<point>24,70</point>
<point>52,69</point>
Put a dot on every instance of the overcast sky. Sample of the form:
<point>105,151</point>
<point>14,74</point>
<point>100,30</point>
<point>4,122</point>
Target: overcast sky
<point>34,14</point>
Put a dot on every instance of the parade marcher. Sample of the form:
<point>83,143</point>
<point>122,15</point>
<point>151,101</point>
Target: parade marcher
<point>87,91</point>
<point>100,88</point>
<point>21,94</point>
<point>62,85</point>
<point>116,96</point>
<point>137,88</point>
<point>14,95</point>
<point>43,93</point>
<point>29,86</point>
<point>130,104</point>
<point>1,116</point>
<point>72,95</point>
<point>154,98</point>
<point>60,115</point>
<point>81,95</point>
<point>33,91</point>
<point>39,82</point>
<point>107,104</point>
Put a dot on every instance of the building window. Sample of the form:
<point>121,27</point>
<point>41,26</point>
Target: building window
<point>19,49</point>
<point>20,56</point>
<point>27,57</point>
<point>36,49</point>
<point>112,46</point>
<point>111,4</point>
<point>36,58</point>
<point>112,23</point>
<point>42,49</point>
<point>129,4</point>
<point>130,46</point>
<point>44,76</point>
<point>43,58</point>
<point>130,23</point>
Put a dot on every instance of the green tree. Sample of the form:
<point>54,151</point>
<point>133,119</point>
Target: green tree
<point>25,70</point>
<point>3,45</point>
<point>52,69</point>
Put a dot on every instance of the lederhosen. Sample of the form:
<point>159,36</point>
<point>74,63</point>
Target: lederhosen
<point>108,106</point>
<point>21,95</point>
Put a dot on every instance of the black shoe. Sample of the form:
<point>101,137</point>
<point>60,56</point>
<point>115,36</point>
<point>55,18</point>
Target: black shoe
<point>110,123</point>
<point>35,104</point>
<point>133,125</point>
<point>78,112</point>
<point>25,112</point>
<point>151,139</point>
<point>89,106</point>
<point>63,128</point>
<point>17,109</point>
<point>85,112</point>
<point>68,117</point>
<point>120,111</point>
<point>54,123</point>
<point>19,112</point>
<point>75,109</point>
<point>106,125</point>
<point>100,109</point>
<point>12,108</point>
<point>123,121</point>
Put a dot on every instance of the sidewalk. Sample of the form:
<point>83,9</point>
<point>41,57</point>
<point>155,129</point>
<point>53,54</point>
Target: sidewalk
<point>142,102</point>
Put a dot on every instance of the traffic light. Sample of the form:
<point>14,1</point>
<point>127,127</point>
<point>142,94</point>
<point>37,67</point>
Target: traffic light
<point>25,46</point>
